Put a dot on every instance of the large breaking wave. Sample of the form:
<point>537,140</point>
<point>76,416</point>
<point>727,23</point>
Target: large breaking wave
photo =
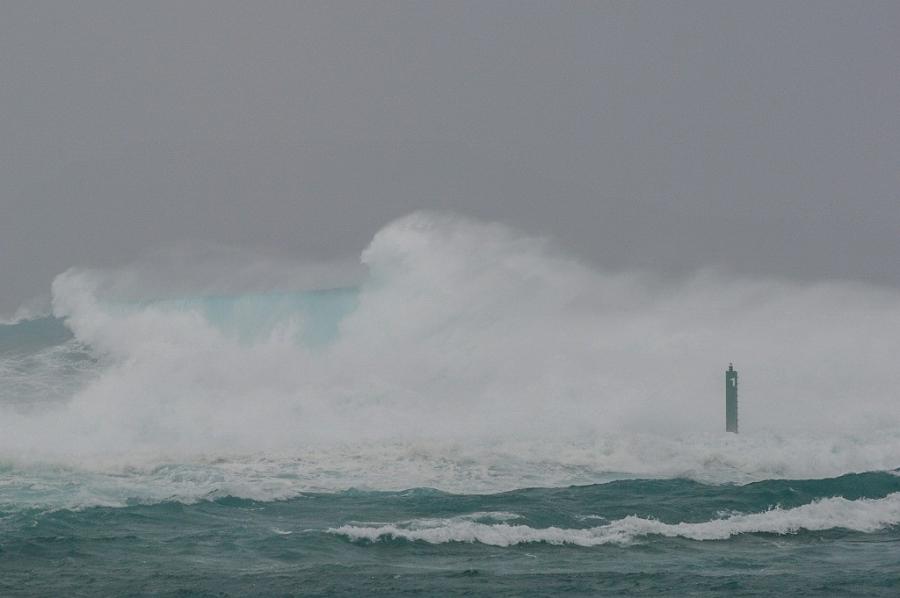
<point>470,357</point>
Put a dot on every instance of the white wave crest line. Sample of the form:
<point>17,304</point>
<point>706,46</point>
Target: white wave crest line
<point>862,515</point>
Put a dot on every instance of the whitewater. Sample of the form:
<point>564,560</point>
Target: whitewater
<point>469,388</point>
<point>860,515</point>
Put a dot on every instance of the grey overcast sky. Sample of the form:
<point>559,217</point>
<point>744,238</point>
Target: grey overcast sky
<point>759,137</point>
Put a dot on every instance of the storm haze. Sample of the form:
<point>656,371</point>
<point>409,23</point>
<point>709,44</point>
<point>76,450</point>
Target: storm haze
<point>757,138</point>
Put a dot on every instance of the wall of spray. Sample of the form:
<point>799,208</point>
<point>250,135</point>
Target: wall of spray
<point>466,333</point>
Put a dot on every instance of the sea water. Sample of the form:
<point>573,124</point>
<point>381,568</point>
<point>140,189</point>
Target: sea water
<point>479,414</point>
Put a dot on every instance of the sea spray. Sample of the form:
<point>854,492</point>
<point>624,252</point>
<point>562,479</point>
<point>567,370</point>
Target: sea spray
<point>471,355</point>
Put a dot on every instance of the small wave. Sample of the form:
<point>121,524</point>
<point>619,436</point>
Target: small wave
<point>863,515</point>
<point>281,532</point>
<point>36,309</point>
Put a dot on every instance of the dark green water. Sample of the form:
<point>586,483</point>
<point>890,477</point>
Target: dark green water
<point>811,544</point>
<point>287,445</point>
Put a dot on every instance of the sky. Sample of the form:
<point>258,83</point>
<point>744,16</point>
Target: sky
<point>759,138</point>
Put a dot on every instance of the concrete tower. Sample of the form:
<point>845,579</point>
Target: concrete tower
<point>731,401</point>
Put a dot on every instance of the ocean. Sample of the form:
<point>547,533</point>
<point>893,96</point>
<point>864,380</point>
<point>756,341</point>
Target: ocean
<point>479,414</point>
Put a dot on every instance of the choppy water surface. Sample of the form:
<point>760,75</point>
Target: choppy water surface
<point>634,537</point>
<point>479,415</point>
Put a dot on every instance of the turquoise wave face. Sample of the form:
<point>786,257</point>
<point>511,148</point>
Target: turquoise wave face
<point>29,336</point>
<point>248,317</point>
<point>252,317</point>
<point>630,537</point>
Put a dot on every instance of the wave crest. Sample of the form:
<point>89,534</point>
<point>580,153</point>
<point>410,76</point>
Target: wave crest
<point>862,515</point>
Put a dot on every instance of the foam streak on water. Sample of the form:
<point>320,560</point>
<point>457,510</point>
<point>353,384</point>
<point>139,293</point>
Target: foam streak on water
<point>861,515</point>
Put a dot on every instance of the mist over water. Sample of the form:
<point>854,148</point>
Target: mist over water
<point>469,357</point>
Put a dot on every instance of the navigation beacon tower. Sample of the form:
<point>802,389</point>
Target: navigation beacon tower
<point>731,401</point>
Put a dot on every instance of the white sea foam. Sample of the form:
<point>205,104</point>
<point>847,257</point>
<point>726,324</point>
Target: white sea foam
<point>862,515</point>
<point>44,378</point>
<point>116,479</point>
<point>475,359</point>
